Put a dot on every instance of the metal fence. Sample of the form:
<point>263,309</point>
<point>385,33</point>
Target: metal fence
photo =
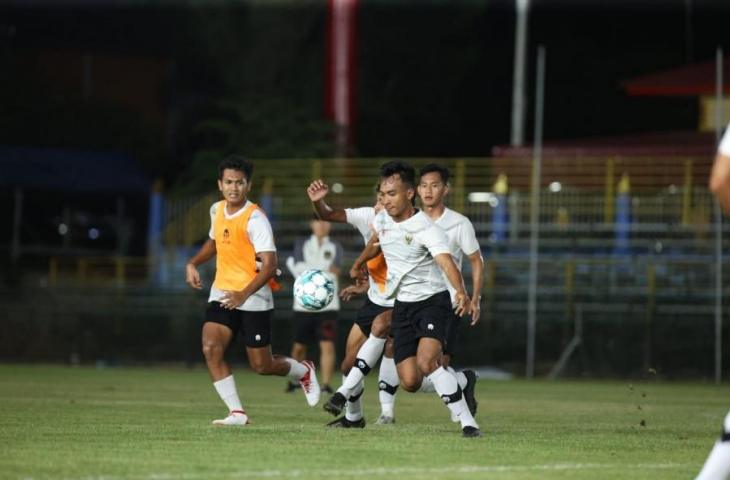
<point>625,272</point>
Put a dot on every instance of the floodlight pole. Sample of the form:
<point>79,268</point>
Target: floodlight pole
<point>718,224</point>
<point>535,211</point>
<point>517,137</point>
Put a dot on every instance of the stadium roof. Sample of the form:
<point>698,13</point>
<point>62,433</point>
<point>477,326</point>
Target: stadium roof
<point>71,170</point>
<point>674,143</point>
<point>688,80</point>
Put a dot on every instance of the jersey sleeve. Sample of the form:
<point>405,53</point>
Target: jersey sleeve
<point>213,211</point>
<point>434,239</point>
<point>360,218</point>
<point>468,242</point>
<point>724,148</point>
<point>260,233</point>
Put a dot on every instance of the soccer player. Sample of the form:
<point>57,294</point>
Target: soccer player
<point>433,186</point>
<point>416,252</point>
<point>368,335</point>
<point>240,298</point>
<point>717,465</point>
<point>320,252</point>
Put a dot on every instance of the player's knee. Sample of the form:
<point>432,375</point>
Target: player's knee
<point>410,383</point>
<point>409,386</point>
<point>426,366</point>
<point>380,330</point>
<point>213,350</point>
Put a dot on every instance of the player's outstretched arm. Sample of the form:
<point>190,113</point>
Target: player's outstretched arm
<point>446,263</point>
<point>317,191</point>
<point>371,250</point>
<point>206,252</point>
<point>720,181</point>
<point>269,261</point>
<point>477,281</point>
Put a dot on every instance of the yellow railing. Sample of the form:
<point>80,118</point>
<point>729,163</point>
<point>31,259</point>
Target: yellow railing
<point>660,187</point>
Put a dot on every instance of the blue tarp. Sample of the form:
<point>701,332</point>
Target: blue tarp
<point>71,170</point>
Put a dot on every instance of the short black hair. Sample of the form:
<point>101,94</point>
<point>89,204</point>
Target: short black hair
<point>236,162</point>
<point>440,169</point>
<point>405,171</point>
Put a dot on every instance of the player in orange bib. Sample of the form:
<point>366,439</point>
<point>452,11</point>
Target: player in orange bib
<point>241,298</point>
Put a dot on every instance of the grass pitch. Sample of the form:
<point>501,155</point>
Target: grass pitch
<point>154,424</point>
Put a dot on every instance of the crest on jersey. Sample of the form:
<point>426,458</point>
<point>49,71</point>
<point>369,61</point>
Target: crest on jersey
<point>409,238</point>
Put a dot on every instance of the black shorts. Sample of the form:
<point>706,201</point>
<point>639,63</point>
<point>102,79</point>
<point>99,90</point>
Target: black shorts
<point>254,326</point>
<point>311,327</point>
<point>452,333</point>
<point>366,315</point>
<point>415,320</point>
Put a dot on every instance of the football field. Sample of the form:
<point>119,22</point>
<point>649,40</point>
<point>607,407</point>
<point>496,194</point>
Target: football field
<point>154,424</point>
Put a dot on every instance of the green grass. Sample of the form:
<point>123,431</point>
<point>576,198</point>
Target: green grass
<point>153,424</point>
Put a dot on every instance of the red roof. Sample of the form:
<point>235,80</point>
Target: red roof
<point>688,80</point>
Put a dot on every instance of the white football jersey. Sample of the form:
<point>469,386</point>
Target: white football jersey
<point>462,240</point>
<point>362,219</point>
<point>409,248</point>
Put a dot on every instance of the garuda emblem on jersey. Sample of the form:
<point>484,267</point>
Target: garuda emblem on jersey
<point>409,238</point>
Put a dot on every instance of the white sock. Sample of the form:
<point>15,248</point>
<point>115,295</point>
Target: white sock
<point>353,407</point>
<point>226,389</point>
<point>448,388</point>
<point>296,369</point>
<point>717,465</point>
<point>366,358</point>
<point>388,382</point>
<point>460,377</point>
<point>427,386</point>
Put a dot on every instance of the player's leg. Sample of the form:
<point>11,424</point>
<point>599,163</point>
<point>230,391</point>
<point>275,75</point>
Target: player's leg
<point>219,329</point>
<point>431,326</point>
<point>446,385</point>
<point>388,385</point>
<point>405,348</point>
<point>367,356</point>
<point>717,465</point>
<point>257,337</point>
<point>355,339</point>
<point>467,378</point>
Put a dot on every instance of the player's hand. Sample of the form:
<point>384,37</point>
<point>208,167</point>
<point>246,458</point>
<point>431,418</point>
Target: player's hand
<point>192,276</point>
<point>359,274</point>
<point>317,190</point>
<point>463,304</point>
<point>476,309</point>
<point>353,290</point>
<point>231,299</point>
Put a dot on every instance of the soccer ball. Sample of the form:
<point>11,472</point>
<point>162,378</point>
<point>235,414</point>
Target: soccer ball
<point>314,290</point>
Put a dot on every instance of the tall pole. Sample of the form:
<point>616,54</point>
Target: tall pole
<point>718,225</point>
<point>535,211</point>
<point>518,77</point>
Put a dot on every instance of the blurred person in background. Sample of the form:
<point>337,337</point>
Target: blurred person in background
<point>321,253</point>
<point>240,298</point>
<point>717,465</point>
